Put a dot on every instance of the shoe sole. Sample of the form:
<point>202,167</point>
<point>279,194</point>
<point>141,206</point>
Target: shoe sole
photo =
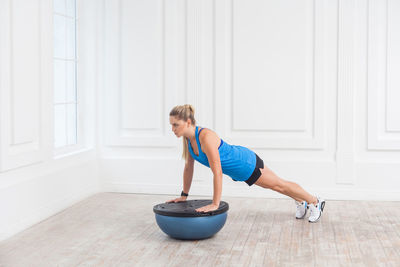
<point>301,217</point>
<point>322,209</point>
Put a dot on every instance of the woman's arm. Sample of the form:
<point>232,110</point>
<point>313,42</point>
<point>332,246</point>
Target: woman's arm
<point>210,143</point>
<point>188,174</point>
<point>187,179</point>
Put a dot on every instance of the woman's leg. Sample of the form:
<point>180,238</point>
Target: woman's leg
<point>269,179</point>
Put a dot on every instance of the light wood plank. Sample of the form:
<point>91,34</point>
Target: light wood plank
<point>120,230</point>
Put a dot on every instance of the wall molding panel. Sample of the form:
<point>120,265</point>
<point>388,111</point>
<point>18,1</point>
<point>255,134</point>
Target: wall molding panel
<point>235,52</point>
<point>23,109</point>
<point>383,77</point>
<point>200,42</point>
<point>351,29</point>
<point>136,50</point>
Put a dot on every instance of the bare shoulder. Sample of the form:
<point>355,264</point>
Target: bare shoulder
<point>207,132</point>
<point>209,137</point>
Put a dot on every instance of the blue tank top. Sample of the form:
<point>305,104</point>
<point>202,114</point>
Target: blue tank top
<point>236,161</point>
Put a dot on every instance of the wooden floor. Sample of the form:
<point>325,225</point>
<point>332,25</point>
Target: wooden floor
<point>111,229</point>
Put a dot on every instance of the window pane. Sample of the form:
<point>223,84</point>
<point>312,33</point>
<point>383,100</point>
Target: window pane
<point>70,38</point>
<point>65,87</point>
<point>60,6</point>
<point>71,81</point>
<point>59,36</point>
<point>71,8</point>
<point>60,81</point>
<point>60,137</point>
<point>71,124</point>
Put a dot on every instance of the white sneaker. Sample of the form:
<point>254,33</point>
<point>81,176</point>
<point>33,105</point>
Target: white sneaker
<point>316,210</point>
<point>301,209</point>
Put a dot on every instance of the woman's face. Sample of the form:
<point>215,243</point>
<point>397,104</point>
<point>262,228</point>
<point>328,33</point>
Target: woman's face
<point>179,127</point>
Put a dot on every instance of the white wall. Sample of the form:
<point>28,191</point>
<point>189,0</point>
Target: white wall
<point>310,86</point>
<point>34,184</point>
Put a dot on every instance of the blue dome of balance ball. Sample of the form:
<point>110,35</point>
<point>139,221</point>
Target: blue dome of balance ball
<point>180,220</point>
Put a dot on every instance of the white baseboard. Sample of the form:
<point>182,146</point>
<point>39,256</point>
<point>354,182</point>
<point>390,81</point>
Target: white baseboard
<point>243,190</point>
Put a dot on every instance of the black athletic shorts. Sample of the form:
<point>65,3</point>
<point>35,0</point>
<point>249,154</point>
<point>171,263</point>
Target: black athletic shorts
<point>256,173</point>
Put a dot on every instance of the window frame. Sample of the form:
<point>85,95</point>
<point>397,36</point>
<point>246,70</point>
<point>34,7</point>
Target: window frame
<point>79,146</point>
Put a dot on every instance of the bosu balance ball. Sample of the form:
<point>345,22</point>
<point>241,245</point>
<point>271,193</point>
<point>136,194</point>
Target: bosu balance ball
<point>180,220</point>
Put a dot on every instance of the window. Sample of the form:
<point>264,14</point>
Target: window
<point>65,76</point>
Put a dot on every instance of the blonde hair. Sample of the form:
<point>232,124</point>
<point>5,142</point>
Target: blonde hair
<point>184,113</point>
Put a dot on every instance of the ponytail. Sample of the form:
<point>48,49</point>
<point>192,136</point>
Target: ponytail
<point>184,113</point>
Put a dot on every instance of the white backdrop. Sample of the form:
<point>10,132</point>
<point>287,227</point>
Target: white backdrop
<point>310,86</point>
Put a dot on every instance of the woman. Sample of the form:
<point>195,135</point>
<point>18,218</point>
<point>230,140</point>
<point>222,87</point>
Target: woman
<point>239,162</point>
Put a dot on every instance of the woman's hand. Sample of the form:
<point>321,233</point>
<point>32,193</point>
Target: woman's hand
<point>207,208</point>
<point>179,199</point>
